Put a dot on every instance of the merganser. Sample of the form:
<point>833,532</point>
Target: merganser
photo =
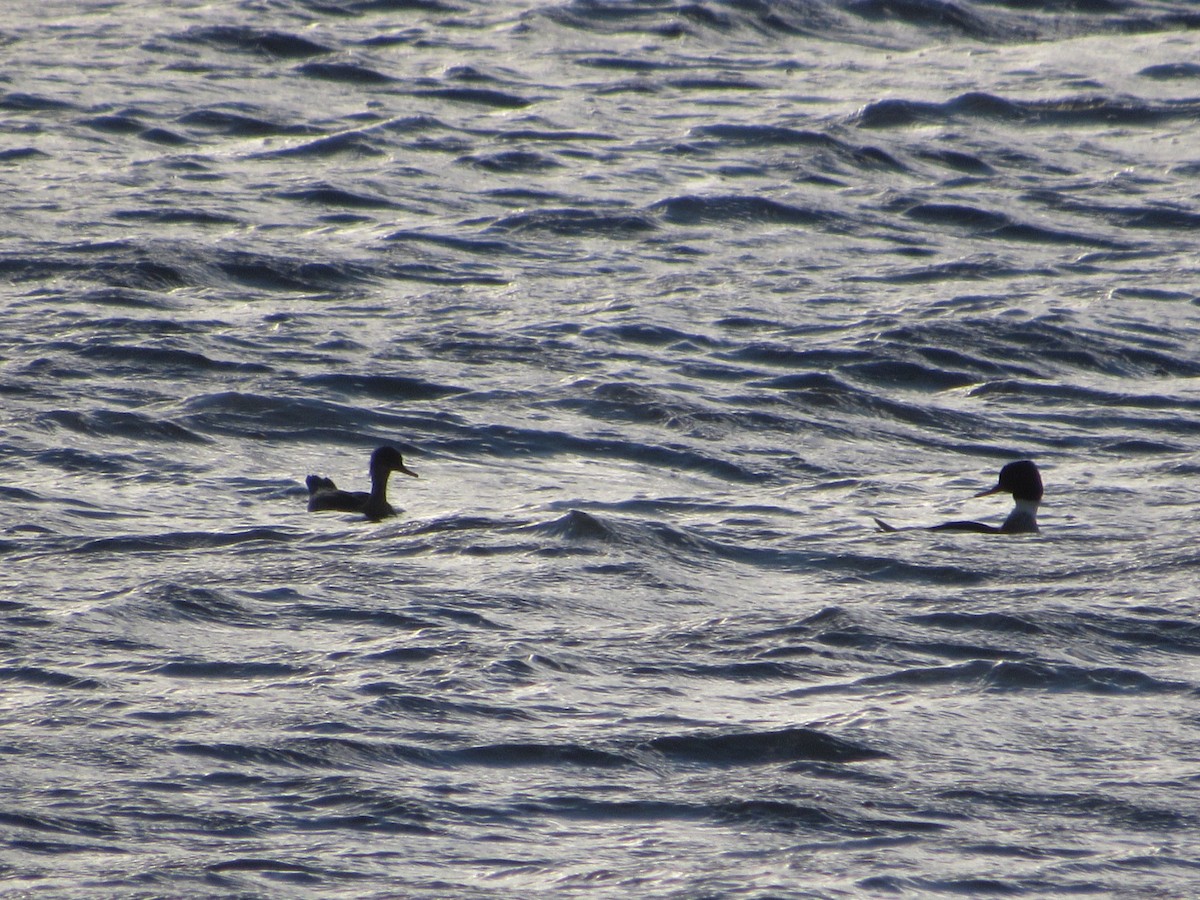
<point>324,494</point>
<point>1021,479</point>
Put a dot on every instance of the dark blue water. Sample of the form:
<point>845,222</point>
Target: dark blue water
<point>664,303</point>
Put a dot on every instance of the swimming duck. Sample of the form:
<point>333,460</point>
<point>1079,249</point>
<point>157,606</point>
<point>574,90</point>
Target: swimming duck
<point>1021,479</point>
<point>324,494</point>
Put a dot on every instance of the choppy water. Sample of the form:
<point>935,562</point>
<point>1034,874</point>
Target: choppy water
<point>664,302</point>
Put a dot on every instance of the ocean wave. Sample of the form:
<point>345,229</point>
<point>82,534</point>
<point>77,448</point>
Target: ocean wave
<point>1067,112</point>
<point>826,391</point>
<point>40,677</point>
<point>346,143</point>
<point>873,23</point>
<point>1075,803</point>
<point>478,96</point>
<point>21,154</point>
<point>18,101</point>
<point>117,423</point>
<point>246,39</point>
<point>166,361</point>
<point>237,122</point>
<point>503,440</point>
<point>1150,216</point>
<point>1092,397</point>
<point>383,387</point>
<point>240,670</point>
<point>510,161</point>
<point>762,748</point>
<point>1168,71</point>
<point>1023,675</point>
<point>695,210</point>
<point>175,216</point>
<point>328,195</point>
<point>932,15</point>
<point>533,754</point>
<point>182,541</point>
<point>349,73</point>
<point>985,223</point>
<point>114,124</point>
<point>555,135</point>
<point>455,242</point>
<point>570,222</point>
<point>991,622</point>
<point>755,136</point>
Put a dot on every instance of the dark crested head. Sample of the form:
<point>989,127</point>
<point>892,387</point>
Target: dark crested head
<point>388,459</point>
<point>1021,479</point>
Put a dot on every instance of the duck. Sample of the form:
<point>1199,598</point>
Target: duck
<point>1023,480</point>
<point>323,494</point>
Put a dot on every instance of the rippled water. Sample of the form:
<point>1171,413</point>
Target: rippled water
<point>664,303</point>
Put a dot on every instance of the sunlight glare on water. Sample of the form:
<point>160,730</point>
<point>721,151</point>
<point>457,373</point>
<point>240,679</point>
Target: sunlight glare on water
<point>665,305</point>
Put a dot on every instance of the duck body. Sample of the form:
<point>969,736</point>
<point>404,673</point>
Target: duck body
<point>1021,479</point>
<point>323,494</point>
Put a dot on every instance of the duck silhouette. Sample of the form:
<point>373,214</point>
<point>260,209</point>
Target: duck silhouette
<point>1021,479</point>
<point>323,494</point>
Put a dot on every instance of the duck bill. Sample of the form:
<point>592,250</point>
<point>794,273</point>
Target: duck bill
<point>997,489</point>
<point>407,471</point>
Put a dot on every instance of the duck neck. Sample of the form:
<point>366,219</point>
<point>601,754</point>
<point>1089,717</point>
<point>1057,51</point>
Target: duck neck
<point>379,483</point>
<point>1023,518</point>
